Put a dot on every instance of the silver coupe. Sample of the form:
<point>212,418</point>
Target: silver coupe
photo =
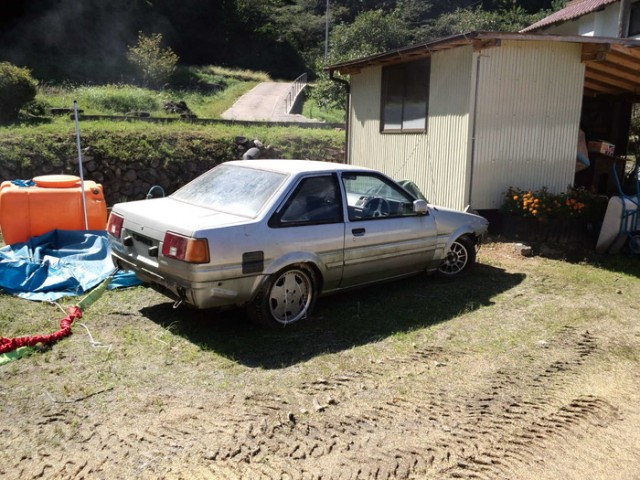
<point>272,235</point>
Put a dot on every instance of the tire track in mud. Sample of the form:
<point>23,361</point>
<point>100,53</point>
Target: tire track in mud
<point>426,432</point>
<point>528,443</point>
<point>380,422</point>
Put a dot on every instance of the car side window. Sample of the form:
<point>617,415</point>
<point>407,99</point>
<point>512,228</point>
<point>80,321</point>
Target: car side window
<point>316,200</point>
<point>370,197</point>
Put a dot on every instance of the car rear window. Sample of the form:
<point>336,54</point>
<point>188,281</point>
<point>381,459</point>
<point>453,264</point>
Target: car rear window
<point>232,189</point>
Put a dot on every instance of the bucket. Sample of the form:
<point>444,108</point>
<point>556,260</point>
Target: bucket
<point>54,202</point>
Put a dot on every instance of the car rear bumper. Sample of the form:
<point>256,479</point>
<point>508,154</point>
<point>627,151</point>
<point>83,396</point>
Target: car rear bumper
<point>201,295</point>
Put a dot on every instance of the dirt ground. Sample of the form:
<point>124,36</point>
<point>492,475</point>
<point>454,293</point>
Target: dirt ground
<point>538,380</point>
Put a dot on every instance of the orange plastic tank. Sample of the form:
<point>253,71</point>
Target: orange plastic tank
<point>55,202</point>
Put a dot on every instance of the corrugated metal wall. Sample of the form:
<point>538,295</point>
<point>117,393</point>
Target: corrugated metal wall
<point>370,148</point>
<point>438,161</point>
<point>448,162</point>
<point>528,114</point>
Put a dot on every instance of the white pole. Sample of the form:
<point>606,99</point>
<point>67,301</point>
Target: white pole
<point>84,200</point>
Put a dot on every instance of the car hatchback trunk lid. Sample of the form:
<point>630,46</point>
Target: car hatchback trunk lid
<point>152,218</point>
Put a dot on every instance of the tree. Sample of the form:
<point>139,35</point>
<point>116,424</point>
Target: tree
<point>372,32</point>
<point>85,41</point>
<point>68,39</point>
<point>156,64</point>
<point>465,20</point>
<point>299,25</point>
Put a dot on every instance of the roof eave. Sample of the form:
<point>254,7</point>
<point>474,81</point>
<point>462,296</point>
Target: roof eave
<point>480,40</point>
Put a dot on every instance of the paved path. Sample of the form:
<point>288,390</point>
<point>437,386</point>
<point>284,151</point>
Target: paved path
<point>265,102</point>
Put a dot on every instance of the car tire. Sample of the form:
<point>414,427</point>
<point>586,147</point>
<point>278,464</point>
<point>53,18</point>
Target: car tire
<point>287,297</point>
<point>634,242</point>
<point>459,259</point>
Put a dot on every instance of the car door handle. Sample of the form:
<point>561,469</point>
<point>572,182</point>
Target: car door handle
<point>358,232</point>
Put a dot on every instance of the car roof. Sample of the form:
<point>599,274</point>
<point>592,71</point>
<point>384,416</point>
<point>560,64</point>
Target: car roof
<point>293,167</point>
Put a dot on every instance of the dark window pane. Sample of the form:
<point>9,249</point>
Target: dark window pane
<point>393,94</point>
<point>405,95</point>
<point>317,200</point>
<point>416,96</point>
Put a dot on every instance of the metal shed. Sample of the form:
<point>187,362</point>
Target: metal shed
<point>504,109</point>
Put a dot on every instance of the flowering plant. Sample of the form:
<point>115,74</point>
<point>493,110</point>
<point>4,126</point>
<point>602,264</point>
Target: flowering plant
<point>543,205</point>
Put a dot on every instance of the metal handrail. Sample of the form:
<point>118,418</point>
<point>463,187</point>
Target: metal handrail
<point>296,87</point>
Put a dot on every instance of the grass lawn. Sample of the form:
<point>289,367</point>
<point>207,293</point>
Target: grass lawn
<point>526,364</point>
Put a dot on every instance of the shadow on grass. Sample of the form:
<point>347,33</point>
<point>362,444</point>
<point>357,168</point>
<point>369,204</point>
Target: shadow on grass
<point>623,262</point>
<point>584,252</point>
<point>340,321</point>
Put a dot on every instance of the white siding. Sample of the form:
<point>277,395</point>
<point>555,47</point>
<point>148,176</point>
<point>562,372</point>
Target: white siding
<point>602,23</point>
<point>584,26</point>
<point>438,161</point>
<point>529,103</point>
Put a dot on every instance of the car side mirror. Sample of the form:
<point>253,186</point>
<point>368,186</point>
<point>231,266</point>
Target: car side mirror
<point>420,207</point>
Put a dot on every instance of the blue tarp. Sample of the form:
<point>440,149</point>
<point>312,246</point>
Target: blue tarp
<point>58,264</point>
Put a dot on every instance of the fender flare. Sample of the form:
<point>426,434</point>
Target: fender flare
<point>460,232</point>
<point>289,260</point>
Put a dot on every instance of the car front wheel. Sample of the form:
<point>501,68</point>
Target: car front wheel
<point>459,259</point>
<point>286,297</point>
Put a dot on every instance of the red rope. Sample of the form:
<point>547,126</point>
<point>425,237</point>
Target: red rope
<point>9,344</point>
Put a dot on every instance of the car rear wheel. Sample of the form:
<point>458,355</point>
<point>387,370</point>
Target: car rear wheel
<point>287,297</point>
<point>459,259</point>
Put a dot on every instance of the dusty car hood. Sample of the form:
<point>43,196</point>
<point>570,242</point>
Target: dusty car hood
<point>448,220</point>
<point>166,213</point>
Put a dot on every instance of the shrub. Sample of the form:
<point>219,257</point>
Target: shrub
<point>156,64</point>
<point>17,88</point>
<point>543,205</point>
<point>36,108</point>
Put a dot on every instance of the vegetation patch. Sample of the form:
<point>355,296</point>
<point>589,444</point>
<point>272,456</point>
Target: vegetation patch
<point>128,155</point>
<point>531,361</point>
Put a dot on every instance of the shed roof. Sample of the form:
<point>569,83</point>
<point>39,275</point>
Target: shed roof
<point>571,11</point>
<point>612,64</point>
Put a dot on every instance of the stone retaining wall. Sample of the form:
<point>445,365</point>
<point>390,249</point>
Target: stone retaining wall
<point>133,178</point>
<point>121,181</point>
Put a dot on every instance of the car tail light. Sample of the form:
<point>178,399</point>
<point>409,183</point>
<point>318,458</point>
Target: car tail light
<point>114,226</point>
<point>187,249</point>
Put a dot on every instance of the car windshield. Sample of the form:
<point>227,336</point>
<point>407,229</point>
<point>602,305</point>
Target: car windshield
<point>232,189</point>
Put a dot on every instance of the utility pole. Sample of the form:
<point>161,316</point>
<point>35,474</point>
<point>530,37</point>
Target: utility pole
<point>326,33</point>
